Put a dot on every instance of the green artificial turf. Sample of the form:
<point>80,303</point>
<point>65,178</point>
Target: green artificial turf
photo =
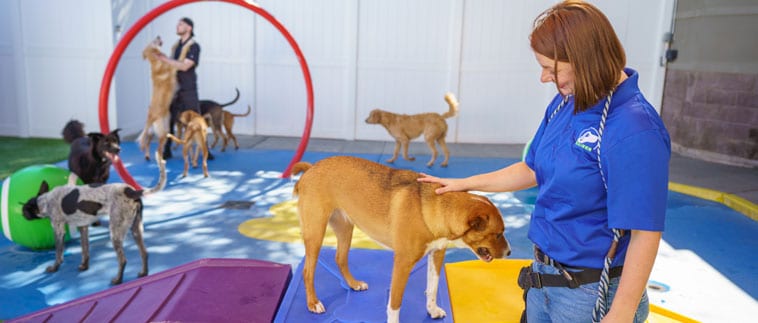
<point>17,153</point>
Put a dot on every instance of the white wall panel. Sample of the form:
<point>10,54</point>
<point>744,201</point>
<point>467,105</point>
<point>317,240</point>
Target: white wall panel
<point>401,56</point>
<point>9,114</point>
<point>65,48</point>
<point>11,71</point>
<point>130,83</point>
<point>640,25</point>
<point>326,33</point>
<point>501,97</point>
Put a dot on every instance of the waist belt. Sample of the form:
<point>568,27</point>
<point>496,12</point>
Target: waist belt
<point>572,279</point>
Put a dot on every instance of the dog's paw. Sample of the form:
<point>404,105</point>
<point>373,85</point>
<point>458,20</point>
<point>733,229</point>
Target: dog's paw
<point>83,267</point>
<point>411,158</point>
<point>142,274</point>
<point>52,269</point>
<point>359,285</point>
<point>435,311</point>
<point>317,308</point>
<point>116,281</point>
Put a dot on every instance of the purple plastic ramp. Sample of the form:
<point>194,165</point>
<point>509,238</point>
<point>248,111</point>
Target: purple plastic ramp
<point>206,290</point>
<point>345,305</point>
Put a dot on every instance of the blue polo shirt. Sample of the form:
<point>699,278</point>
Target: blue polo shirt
<point>574,213</point>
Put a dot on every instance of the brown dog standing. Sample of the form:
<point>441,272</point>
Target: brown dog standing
<point>163,77</point>
<point>195,131</point>
<point>227,120</point>
<point>391,207</point>
<point>405,128</point>
<point>218,117</point>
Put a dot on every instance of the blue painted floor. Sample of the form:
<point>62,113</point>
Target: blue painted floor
<point>185,222</point>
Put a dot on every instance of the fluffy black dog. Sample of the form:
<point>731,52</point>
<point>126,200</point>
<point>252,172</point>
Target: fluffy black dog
<point>91,155</point>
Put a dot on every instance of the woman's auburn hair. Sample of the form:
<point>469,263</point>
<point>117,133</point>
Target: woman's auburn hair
<point>578,33</point>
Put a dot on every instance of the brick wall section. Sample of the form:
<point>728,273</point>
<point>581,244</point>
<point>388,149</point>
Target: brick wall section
<point>712,111</point>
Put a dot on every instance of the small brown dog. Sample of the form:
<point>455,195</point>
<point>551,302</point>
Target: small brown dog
<point>163,78</point>
<point>218,117</point>
<point>405,128</point>
<point>227,119</point>
<point>397,211</point>
<point>195,132</point>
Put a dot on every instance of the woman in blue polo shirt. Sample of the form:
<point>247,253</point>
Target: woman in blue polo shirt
<point>600,159</point>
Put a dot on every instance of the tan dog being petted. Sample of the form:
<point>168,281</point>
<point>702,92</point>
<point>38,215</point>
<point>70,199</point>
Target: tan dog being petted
<point>397,211</point>
<point>195,132</point>
<point>405,128</point>
<point>163,77</point>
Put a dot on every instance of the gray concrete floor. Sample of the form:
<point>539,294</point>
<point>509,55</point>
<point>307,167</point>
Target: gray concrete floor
<point>739,181</point>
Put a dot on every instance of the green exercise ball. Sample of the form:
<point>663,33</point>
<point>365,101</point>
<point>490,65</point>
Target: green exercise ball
<point>18,188</point>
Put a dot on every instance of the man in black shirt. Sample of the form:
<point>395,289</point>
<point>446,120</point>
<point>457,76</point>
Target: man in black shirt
<point>186,57</point>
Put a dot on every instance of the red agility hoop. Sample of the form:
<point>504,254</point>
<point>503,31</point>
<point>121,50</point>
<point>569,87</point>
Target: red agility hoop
<point>150,16</point>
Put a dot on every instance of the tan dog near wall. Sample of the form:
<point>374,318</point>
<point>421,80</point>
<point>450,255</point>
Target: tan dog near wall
<point>405,128</point>
<point>397,211</point>
<point>195,132</point>
<point>227,120</point>
<point>163,77</point>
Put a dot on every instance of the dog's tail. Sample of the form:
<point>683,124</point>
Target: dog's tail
<point>453,103</point>
<point>298,168</point>
<point>72,131</point>
<point>175,139</point>
<point>233,101</point>
<point>242,114</point>
<point>161,180</point>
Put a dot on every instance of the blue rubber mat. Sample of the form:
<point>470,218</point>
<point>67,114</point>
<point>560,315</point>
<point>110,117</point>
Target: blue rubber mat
<point>345,305</point>
<point>724,238</point>
<point>183,223</point>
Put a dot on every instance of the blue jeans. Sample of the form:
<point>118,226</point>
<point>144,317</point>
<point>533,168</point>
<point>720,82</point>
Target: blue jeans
<point>563,304</point>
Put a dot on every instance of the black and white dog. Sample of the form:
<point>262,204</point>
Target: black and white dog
<point>80,206</point>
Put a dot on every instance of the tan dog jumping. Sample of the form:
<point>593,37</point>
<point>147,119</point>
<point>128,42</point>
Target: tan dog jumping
<point>195,132</point>
<point>391,207</point>
<point>405,128</point>
<point>163,77</point>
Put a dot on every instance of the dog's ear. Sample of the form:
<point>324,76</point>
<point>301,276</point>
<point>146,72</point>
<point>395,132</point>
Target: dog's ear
<point>95,137</point>
<point>115,132</point>
<point>30,209</point>
<point>477,222</point>
<point>380,117</point>
<point>43,188</point>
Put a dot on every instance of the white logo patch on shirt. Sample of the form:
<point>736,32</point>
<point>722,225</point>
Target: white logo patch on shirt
<point>588,139</point>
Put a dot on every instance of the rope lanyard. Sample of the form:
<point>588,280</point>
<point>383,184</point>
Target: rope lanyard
<point>601,305</point>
